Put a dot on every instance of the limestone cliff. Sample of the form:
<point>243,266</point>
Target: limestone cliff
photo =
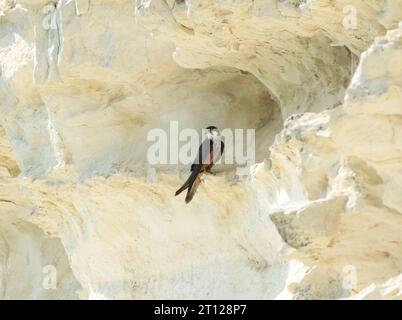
<point>318,216</point>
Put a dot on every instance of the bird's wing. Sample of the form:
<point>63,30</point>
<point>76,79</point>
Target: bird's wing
<point>204,155</point>
<point>218,151</point>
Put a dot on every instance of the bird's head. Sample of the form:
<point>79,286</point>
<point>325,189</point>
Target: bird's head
<point>212,132</point>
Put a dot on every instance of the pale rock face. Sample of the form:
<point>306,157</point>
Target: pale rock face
<point>83,216</point>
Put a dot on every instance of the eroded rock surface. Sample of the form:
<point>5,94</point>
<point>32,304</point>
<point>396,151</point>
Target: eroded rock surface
<point>83,82</point>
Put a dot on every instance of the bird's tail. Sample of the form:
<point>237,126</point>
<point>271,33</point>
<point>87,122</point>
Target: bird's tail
<point>182,188</point>
<point>192,189</point>
<point>188,184</point>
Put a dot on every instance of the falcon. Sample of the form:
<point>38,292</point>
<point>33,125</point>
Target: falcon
<point>209,153</point>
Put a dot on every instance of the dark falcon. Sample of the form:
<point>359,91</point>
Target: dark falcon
<point>209,153</point>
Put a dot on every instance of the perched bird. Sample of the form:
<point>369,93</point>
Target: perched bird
<point>209,153</point>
